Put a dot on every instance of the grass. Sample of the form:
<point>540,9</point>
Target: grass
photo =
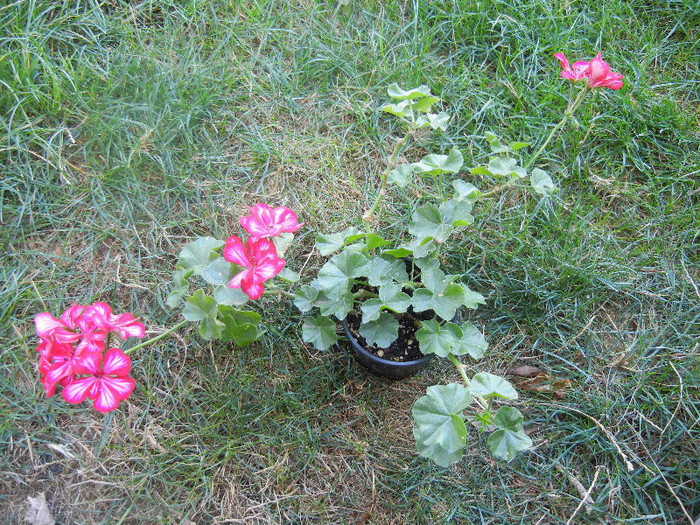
<point>129,128</point>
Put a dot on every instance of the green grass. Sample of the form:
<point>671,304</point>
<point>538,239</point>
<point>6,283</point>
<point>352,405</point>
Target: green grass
<point>128,128</point>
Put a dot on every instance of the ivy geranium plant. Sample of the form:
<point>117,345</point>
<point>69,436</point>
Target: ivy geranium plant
<point>366,277</point>
<point>369,278</point>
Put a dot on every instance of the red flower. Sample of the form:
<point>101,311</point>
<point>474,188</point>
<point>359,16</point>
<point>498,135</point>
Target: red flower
<point>596,71</point>
<point>601,76</point>
<point>106,385</point>
<point>269,222</point>
<point>259,257</point>
<point>100,314</point>
<point>576,72</point>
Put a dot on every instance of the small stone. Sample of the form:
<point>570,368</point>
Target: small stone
<point>380,353</point>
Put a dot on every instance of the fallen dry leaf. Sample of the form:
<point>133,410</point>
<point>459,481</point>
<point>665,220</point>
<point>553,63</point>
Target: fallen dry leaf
<point>539,381</point>
<point>525,371</point>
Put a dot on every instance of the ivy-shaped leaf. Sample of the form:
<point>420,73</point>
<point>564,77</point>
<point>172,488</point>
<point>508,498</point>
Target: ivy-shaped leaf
<point>488,385</point>
<point>472,342</point>
<point>305,297</point>
<point>198,254</point>
<point>457,212</point>
<point>371,309</point>
<point>465,191</point>
<point>319,331</point>
<point>427,221</point>
<point>438,423</point>
<point>509,418</point>
<point>505,444</point>
<point>219,272</point>
<point>435,164</point>
<point>438,339</point>
<point>181,287</point>
<point>382,332</point>
<point>327,244</point>
<point>239,326</point>
<point>472,299</point>
<point>334,276</point>
<point>202,308</point>
<point>386,269</point>
<point>402,175</point>
<point>542,183</point>
<point>393,298</point>
<point>435,121</point>
<point>397,93</point>
<point>230,296</point>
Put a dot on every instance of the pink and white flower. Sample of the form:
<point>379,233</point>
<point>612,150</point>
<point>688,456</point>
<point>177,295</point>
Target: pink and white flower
<point>265,222</point>
<point>106,381</point>
<point>259,258</point>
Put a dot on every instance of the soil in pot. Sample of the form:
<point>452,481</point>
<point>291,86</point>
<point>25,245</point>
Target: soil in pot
<point>404,348</point>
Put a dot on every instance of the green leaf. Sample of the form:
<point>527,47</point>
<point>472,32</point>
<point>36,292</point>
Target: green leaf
<point>219,272</point>
<point>427,221</point>
<point>402,175</point>
<point>435,164</point>
<point>202,308</point>
<point>456,212</point>
<point>422,247</point>
<point>334,276</point>
<point>509,418</point>
<point>438,423</point>
<point>374,241</point>
<point>181,287</point>
<point>472,342</point>
<point>505,166</point>
<point>230,296</point>
<point>488,385</point>
<point>394,298</point>
<point>481,170</point>
<point>327,244</point>
<point>371,309</point>
<point>336,306</point>
<point>496,145</point>
<point>505,444</point>
<point>402,109</point>
<point>282,242</point>
<point>435,121</point>
<point>382,331</point>
<point>304,298</point>
<point>320,332</point>
<point>438,339</point>
<point>382,269</point>
<point>198,254</point>
<point>397,93</point>
<point>288,275</point>
<point>444,304</point>
<point>464,191</point>
<point>471,298</point>
<point>542,183</point>
<point>240,326</point>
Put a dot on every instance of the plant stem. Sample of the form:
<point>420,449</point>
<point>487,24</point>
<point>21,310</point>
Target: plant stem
<point>275,291</point>
<point>569,111</point>
<point>367,217</point>
<point>158,337</point>
<point>463,374</point>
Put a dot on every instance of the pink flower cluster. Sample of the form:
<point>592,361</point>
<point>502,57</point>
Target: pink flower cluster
<point>597,71</point>
<point>72,354</point>
<point>258,255</point>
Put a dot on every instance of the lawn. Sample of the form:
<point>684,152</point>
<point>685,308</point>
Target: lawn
<point>130,128</point>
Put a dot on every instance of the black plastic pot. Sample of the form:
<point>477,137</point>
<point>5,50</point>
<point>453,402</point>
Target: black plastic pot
<point>384,367</point>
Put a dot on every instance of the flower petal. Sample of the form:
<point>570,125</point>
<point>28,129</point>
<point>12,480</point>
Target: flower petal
<point>113,390</point>
<point>78,390</point>
<point>116,363</point>
<point>235,252</point>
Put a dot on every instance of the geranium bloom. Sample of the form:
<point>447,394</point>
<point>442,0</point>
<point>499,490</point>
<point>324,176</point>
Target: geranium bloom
<point>107,382</point>
<point>601,76</point>
<point>576,72</point>
<point>596,71</point>
<point>269,222</point>
<point>259,257</point>
<point>124,324</point>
